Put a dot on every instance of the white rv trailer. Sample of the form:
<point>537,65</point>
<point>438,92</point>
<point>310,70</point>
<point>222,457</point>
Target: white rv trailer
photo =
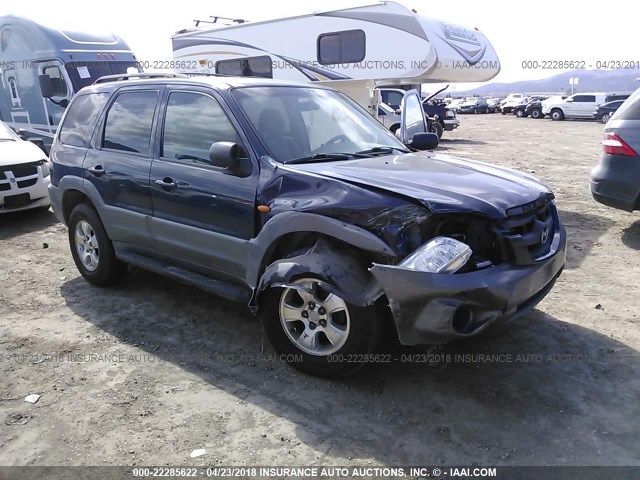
<point>354,50</point>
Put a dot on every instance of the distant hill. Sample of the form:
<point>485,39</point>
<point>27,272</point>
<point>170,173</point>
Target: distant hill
<point>610,81</point>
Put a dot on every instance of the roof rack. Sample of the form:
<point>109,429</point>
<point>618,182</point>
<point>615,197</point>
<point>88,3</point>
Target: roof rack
<point>215,18</point>
<point>117,78</point>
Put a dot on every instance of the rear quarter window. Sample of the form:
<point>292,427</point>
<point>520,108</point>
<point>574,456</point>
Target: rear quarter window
<point>80,121</point>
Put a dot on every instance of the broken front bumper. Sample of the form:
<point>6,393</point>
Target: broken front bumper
<point>435,308</point>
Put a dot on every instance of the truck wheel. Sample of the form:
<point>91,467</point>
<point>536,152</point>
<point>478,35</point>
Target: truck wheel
<point>437,128</point>
<point>557,115</point>
<point>92,249</point>
<point>536,113</point>
<point>318,332</point>
<point>519,113</point>
<point>605,117</point>
<point>503,112</point>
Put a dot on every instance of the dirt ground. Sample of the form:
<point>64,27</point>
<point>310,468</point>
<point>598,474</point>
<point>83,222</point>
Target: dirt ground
<point>148,371</point>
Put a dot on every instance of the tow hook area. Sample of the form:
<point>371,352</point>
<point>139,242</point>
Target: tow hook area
<point>339,273</point>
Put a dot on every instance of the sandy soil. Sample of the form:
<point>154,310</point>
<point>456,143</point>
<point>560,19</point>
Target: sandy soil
<point>150,370</point>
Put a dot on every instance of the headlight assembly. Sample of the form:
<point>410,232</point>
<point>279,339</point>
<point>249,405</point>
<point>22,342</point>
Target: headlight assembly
<point>439,255</point>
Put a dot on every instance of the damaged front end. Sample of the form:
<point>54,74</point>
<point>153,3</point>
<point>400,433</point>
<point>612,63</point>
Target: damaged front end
<point>516,263</point>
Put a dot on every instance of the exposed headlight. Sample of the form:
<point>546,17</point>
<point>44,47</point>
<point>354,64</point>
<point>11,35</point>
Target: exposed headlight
<point>440,255</point>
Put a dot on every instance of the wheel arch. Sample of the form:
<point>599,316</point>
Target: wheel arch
<point>288,232</point>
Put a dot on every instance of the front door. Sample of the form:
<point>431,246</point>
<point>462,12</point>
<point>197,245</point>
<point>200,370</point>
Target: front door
<point>202,214</point>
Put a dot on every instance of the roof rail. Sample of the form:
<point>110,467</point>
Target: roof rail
<point>127,76</point>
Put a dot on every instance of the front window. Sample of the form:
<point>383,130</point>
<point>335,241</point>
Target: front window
<point>83,74</point>
<point>299,123</point>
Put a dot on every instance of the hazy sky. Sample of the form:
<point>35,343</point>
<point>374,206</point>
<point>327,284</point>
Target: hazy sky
<point>519,31</point>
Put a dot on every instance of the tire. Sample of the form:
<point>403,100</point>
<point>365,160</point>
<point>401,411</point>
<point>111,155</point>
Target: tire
<point>536,113</point>
<point>557,115</point>
<point>92,249</point>
<point>503,112</point>
<point>394,128</point>
<point>519,113</point>
<point>475,110</point>
<point>356,330</point>
<point>438,129</point>
<point>605,117</point>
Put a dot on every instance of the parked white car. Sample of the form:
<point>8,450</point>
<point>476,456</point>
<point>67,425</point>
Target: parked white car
<point>579,105</point>
<point>511,98</point>
<point>24,173</point>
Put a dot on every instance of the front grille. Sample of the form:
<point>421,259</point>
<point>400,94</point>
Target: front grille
<point>20,171</point>
<point>4,187</point>
<point>27,183</point>
<point>529,229</point>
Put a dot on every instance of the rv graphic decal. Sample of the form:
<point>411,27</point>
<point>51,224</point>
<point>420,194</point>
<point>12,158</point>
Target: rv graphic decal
<point>309,69</point>
<point>463,41</point>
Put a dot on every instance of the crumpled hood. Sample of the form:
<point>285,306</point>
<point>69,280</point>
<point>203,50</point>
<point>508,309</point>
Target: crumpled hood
<point>15,153</point>
<point>440,182</point>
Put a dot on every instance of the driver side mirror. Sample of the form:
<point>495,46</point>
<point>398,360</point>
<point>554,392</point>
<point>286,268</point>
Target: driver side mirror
<point>230,156</point>
<point>424,141</point>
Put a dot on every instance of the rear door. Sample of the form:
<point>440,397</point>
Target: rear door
<point>201,214</point>
<point>583,106</point>
<point>118,168</point>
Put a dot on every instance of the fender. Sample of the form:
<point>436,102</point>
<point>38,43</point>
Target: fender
<point>342,275</point>
<point>297,222</point>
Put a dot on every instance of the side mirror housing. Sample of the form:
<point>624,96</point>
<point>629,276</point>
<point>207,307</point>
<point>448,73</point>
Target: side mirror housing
<point>231,157</point>
<point>424,141</point>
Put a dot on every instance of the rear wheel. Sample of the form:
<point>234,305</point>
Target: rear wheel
<point>536,113</point>
<point>557,115</point>
<point>605,117</point>
<point>92,249</point>
<point>318,332</point>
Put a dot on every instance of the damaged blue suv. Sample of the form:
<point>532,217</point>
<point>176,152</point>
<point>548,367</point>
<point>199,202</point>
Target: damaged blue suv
<point>294,200</point>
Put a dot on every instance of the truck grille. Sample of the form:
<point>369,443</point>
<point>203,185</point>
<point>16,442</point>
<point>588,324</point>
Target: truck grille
<point>20,171</point>
<point>528,230</point>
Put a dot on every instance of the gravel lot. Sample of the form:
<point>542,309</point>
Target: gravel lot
<point>148,371</point>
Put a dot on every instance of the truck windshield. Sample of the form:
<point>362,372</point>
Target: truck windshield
<point>299,123</point>
<point>83,74</point>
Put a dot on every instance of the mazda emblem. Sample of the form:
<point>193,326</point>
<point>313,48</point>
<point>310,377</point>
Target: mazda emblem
<point>545,235</point>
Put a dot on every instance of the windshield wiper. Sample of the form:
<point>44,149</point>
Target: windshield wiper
<point>382,149</point>
<point>327,157</point>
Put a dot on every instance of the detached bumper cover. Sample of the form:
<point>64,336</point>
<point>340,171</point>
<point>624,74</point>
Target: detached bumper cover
<point>433,308</point>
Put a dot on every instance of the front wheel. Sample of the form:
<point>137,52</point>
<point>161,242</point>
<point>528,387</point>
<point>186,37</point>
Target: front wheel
<point>437,128</point>
<point>557,115</point>
<point>92,249</point>
<point>536,113</point>
<point>318,332</point>
<point>519,113</point>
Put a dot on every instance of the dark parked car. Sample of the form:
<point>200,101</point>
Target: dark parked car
<point>476,105</point>
<point>604,111</point>
<point>616,180</point>
<point>525,109</point>
<point>493,104</point>
<point>294,200</point>
<point>534,107</point>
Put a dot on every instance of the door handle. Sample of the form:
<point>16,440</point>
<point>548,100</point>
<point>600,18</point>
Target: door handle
<point>166,183</point>
<point>97,170</point>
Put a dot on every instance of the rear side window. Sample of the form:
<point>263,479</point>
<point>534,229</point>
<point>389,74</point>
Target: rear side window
<point>129,121</point>
<point>630,109</point>
<point>584,98</point>
<point>193,122</point>
<point>341,47</point>
<point>77,128</point>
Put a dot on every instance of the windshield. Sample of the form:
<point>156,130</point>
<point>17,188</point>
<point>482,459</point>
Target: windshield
<point>83,74</point>
<point>298,123</point>
<point>6,133</point>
